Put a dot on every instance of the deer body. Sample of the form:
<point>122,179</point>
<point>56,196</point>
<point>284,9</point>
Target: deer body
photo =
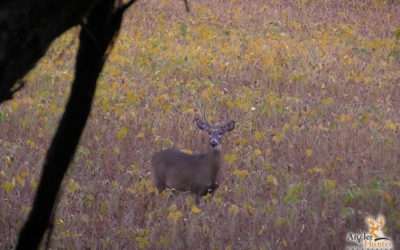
<point>198,173</point>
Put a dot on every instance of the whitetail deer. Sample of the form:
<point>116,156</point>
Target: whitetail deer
<point>199,174</point>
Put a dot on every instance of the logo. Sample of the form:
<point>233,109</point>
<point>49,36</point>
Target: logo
<point>374,238</point>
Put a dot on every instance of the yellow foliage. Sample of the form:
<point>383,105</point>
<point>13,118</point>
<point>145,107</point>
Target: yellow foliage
<point>285,127</point>
<point>9,186</point>
<point>187,151</point>
<point>277,138</point>
<point>8,161</point>
<point>34,184</point>
<point>151,189</point>
<point>385,194</point>
<point>257,152</point>
<point>344,118</point>
<point>14,104</point>
<point>340,158</point>
<point>22,177</point>
<point>73,186</point>
<point>242,173</point>
<point>280,221</point>
<point>347,59</point>
<point>230,158</point>
<point>31,143</point>
<point>122,133</point>
<point>195,209</point>
<point>359,78</point>
<point>327,101</point>
<point>367,80</point>
<point>272,179</point>
<point>260,232</point>
<point>259,135</point>
<point>142,242</point>
<point>234,209</point>
<point>390,125</point>
<point>175,216</point>
<point>330,184</point>
<point>316,170</point>
<point>250,209</point>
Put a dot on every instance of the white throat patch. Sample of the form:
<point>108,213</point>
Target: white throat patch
<point>218,147</point>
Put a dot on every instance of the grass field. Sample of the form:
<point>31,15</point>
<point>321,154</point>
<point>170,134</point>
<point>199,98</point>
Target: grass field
<point>313,86</point>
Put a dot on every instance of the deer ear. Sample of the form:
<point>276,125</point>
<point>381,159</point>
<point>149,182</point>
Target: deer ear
<point>202,124</point>
<point>229,126</point>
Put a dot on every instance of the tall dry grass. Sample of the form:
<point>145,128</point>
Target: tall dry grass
<point>312,85</point>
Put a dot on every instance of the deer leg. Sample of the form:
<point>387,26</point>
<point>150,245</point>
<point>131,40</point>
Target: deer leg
<point>212,188</point>
<point>209,189</point>
<point>197,199</point>
<point>158,182</point>
<point>160,186</point>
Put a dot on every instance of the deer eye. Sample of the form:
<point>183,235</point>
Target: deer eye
<point>220,133</point>
<point>209,132</point>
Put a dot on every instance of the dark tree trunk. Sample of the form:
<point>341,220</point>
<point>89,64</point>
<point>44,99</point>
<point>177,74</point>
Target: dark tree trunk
<point>98,31</point>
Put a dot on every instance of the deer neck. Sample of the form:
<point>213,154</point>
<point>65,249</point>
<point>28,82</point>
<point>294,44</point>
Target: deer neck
<point>213,162</point>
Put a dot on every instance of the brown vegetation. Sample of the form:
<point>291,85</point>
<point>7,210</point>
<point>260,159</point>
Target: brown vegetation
<point>314,85</point>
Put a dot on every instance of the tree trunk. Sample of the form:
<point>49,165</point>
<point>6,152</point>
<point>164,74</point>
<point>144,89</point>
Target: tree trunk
<point>97,34</point>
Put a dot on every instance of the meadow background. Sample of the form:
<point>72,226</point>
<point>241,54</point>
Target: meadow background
<point>312,85</point>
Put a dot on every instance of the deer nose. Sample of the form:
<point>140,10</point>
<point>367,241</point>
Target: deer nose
<point>213,142</point>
